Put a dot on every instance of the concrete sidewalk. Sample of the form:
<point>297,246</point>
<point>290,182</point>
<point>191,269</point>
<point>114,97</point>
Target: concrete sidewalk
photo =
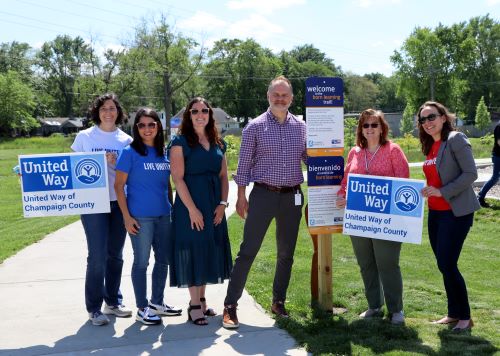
<point>42,295</point>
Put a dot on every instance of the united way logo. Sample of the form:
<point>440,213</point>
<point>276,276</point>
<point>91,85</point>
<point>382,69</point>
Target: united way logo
<point>406,198</point>
<point>88,171</point>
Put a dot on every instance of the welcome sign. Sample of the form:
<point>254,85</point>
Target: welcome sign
<point>384,208</point>
<point>64,184</point>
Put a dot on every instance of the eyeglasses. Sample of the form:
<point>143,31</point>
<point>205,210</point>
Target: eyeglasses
<point>373,126</point>
<point>149,125</point>
<point>430,117</point>
<point>196,111</point>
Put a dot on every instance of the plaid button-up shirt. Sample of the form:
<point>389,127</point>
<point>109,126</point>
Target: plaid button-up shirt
<point>271,152</point>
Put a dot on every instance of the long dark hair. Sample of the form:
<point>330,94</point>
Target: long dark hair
<point>425,139</point>
<point>365,115</point>
<point>187,130</point>
<point>99,101</point>
<point>159,141</point>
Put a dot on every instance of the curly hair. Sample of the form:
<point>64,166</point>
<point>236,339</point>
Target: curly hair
<point>99,101</point>
<point>159,141</point>
<point>425,139</point>
<point>365,115</point>
<point>187,130</point>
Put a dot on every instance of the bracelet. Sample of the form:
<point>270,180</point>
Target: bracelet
<point>225,203</point>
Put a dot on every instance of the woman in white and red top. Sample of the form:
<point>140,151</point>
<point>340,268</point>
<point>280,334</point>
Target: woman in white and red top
<point>450,171</point>
<point>378,260</point>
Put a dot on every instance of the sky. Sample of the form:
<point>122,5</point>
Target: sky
<point>359,35</point>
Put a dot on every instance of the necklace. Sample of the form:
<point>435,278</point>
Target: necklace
<point>368,162</point>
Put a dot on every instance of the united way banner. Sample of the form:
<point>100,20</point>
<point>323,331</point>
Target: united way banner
<point>64,184</point>
<point>384,208</point>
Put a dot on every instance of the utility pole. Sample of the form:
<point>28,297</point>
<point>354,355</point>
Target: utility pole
<point>168,103</point>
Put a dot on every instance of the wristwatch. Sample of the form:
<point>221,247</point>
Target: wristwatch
<point>225,203</point>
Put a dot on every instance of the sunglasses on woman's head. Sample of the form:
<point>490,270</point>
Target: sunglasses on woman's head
<point>196,111</point>
<point>373,126</point>
<point>149,125</point>
<point>430,117</point>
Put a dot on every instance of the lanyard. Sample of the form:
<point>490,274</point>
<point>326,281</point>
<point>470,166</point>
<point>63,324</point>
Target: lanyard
<point>368,162</point>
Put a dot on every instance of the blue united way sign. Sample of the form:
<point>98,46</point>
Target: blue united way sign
<point>64,184</point>
<point>384,208</point>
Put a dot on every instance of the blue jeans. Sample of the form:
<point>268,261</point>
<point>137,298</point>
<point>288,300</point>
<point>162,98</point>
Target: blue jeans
<point>154,232</point>
<point>494,177</point>
<point>447,234</point>
<point>105,235</point>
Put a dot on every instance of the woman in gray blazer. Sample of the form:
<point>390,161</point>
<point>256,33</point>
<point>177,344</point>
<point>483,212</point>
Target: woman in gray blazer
<point>450,170</point>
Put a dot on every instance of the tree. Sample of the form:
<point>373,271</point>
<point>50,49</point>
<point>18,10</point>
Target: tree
<point>360,92</point>
<point>387,99</point>
<point>62,62</point>
<point>157,65</point>
<point>407,124</point>
<point>238,74</point>
<point>16,57</point>
<point>423,67</point>
<point>301,63</point>
<point>482,120</point>
<point>16,104</point>
<point>455,65</point>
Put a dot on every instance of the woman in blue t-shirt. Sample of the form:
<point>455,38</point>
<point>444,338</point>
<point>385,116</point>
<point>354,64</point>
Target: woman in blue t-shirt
<point>145,169</point>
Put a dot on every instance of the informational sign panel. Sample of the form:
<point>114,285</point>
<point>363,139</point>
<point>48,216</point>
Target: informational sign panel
<point>384,208</point>
<point>325,112</point>
<point>324,98</point>
<point>64,184</point>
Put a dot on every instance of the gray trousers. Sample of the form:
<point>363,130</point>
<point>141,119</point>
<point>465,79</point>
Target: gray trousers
<point>379,264</point>
<point>264,205</point>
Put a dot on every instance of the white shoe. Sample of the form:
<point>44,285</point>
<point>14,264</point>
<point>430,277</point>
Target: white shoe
<point>164,309</point>
<point>146,317</point>
<point>118,310</point>
<point>97,318</point>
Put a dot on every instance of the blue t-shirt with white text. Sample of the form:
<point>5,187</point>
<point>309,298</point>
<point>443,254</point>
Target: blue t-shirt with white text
<point>147,182</point>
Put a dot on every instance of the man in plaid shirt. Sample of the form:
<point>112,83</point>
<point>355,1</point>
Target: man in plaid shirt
<point>272,148</point>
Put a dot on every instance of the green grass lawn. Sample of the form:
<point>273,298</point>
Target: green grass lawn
<point>424,298</point>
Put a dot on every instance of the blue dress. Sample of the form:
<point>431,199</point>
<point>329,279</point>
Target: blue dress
<point>200,257</point>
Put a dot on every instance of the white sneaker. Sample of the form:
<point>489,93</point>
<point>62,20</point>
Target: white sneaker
<point>372,313</point>
<point>119,310</point>
<point>97,318</point>
<point>398,318</point>
<point>164,309</point>
<point>146,317</point>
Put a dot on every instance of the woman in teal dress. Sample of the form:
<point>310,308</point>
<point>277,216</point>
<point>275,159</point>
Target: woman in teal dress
<point>202,254</point>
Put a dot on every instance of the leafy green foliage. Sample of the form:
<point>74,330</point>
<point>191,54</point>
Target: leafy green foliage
<point>455,65</point>
<point>407,124</point>
<point>482,119</point>
<point>16,104</point>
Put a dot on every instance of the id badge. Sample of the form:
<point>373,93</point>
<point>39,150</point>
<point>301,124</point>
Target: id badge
<point>298,199</point>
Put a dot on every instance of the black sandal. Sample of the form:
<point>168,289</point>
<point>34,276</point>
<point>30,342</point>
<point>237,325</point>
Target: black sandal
<point>198,321</point>
<point>209,311</point>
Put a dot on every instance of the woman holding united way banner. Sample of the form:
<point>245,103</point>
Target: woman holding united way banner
<point>145,169</point>
<point>378,259</point>
<point>450,171</point>
<point>104,232</point>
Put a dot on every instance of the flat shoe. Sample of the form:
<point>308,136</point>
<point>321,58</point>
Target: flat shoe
<point>445,320</point>
<point>468,327</point>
